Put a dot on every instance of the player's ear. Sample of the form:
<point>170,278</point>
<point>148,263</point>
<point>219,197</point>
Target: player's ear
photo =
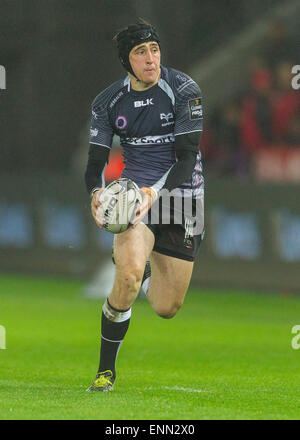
<point>122,61</point>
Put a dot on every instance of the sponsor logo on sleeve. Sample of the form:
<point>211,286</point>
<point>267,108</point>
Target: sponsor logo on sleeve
<point>116,99</point>
<point>195,108</point>
<point>94,132</point>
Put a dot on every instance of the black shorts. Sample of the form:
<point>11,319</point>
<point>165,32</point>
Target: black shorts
<point>180,237</point>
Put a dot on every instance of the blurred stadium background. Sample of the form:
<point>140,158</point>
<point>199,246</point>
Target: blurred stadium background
<point>59,55</point>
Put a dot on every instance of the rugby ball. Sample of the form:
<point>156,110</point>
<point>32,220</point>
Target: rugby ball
<point>119,201</point>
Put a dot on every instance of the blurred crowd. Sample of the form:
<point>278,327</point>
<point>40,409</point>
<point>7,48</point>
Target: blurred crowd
<point>266,115</point>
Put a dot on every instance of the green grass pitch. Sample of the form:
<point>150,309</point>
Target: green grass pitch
<point>226,355</point>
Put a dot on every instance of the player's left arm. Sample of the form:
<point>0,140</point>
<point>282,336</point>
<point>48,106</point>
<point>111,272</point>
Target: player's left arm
<point>188,131</point>
<point>186,149</point>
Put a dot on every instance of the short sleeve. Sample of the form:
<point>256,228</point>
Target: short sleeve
<point>101,132</point>
<point>188,109</point>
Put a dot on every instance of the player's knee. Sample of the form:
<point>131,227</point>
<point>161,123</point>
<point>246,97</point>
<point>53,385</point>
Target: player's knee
<point>132,278</point>
<point>168,311</point>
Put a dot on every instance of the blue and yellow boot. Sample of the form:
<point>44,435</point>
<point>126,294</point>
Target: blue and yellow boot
<point>104,382</point>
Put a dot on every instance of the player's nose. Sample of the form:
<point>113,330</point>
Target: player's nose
<point>149,56</point>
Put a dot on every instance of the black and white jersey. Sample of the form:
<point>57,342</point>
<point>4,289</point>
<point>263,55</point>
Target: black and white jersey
<point>147,123</point>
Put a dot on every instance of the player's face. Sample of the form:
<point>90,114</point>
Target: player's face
<point>145,61</point>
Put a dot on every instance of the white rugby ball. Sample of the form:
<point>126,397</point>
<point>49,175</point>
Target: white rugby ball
<point>119,200</point>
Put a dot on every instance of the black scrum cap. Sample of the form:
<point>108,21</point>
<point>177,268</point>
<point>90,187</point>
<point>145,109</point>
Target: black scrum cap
<point>132,36</point>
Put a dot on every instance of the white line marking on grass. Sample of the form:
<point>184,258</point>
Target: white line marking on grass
<point>186,390</point>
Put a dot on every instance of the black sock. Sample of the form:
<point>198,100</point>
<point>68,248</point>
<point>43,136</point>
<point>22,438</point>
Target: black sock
<point>114,325</point>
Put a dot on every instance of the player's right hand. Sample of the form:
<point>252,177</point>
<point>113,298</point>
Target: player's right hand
<point>149,196</point>
<point>96,209</point>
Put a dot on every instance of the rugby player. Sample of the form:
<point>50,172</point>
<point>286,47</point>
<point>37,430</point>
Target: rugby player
<point>156,111</point>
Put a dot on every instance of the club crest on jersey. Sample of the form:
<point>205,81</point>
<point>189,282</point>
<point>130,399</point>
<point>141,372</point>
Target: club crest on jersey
<point>148,101</point>
<point>195,108</point>
<point>166,116</point>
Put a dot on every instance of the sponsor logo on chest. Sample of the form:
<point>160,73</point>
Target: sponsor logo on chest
<point>148,101</point>
<point>150,140</point>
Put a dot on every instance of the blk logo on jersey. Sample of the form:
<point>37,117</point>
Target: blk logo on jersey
<point>195,108</point>
<point>148,101</point>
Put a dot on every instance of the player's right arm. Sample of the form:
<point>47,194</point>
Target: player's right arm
<point>97,160</point>
<point>101,135</point>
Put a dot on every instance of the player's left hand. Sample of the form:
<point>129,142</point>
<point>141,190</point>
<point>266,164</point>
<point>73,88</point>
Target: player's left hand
<point>149,197</point>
